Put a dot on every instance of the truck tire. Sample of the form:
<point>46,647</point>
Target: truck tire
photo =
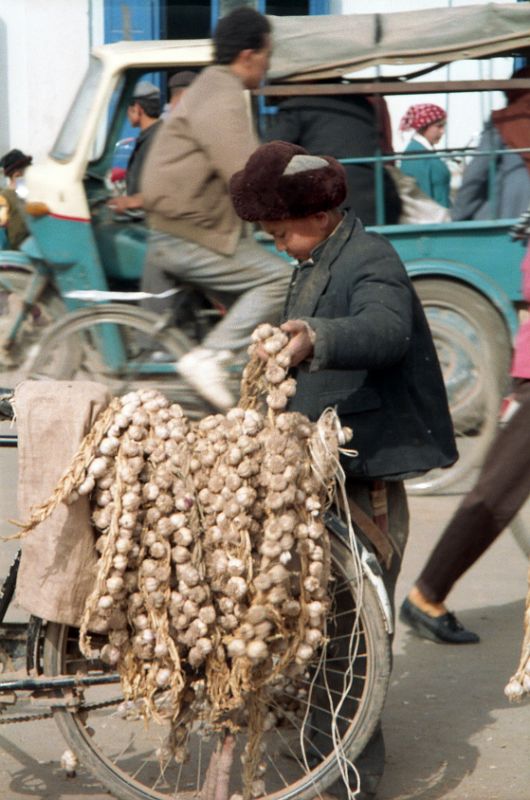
<point>474,315</point>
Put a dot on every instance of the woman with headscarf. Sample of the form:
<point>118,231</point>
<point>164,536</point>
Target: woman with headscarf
<point>428,121</point>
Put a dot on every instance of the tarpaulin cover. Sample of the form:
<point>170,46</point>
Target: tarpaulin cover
<point>328,46</point>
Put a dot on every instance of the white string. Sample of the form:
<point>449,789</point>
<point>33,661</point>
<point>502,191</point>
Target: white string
<point>328,427</point>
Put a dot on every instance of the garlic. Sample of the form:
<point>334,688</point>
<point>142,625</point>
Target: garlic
<point>157,550</point>
<point>236,587</point>
<point>513,690</point>
<point>256,614</point>
<point>110,654</point>
<point>236,647</point>
<point>163,677</point>
<point>114,584</point>
<point>151,584</point>
<point>304,653</point>
<point>86,486</point>
<point>123,545</point>
<point>257,650</point>
<point>204,645</point>
<point>105,601</point>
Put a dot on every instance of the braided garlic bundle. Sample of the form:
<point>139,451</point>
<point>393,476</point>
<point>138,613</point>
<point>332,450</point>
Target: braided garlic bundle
<point>214,559</point>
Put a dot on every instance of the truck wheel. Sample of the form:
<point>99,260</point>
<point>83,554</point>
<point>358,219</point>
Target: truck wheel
<point>473,315</point>
<point>474,397</point>
<point>474,349</point>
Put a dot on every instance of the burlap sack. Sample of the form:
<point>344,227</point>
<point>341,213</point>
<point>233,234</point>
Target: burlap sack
<point>58,561</point>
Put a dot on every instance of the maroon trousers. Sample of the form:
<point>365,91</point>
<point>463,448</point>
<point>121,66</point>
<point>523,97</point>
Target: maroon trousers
<point>501,489</point>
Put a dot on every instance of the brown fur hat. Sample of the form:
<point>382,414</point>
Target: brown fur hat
<point>282,181</point>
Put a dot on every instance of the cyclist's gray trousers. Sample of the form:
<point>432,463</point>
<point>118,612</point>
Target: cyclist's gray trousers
<point>252,283</point>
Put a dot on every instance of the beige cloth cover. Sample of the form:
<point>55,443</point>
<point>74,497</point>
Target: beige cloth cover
<point>58,561</point>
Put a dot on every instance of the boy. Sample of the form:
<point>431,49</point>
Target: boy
<point>359,341</point>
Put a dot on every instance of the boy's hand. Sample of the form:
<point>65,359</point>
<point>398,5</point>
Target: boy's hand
<point>302,339</point>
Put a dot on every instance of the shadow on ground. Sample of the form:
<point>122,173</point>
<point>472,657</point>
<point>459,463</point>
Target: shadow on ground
<point>441,698</point>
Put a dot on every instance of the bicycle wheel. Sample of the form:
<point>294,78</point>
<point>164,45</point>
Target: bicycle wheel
<point>474,397</point>
<point>121,346</point>
<point>38,318</point>
<point>122,753</point>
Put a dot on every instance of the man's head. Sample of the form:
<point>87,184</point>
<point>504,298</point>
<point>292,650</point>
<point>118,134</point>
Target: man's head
<point>144,107</point>
<point>293,195</point>
<point>242,41</point>
<point>178,83</point>
<point>14,163</point>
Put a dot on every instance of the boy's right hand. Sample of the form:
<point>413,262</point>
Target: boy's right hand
<point>302,339</point>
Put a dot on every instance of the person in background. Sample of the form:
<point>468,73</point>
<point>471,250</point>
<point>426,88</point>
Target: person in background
<point>428,122</point>
<point>359,342</point>
<point>196,237</point>
<point>14,164</point>
<point>143,113</point>
<point>177,85</point>
<point>507,128</point>
<point>501,489</point>
<point>345,126</point>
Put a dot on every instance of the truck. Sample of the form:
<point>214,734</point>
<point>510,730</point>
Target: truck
<point>466,273</point>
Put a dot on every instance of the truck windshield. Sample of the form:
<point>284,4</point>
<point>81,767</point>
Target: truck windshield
<point>68,137</point>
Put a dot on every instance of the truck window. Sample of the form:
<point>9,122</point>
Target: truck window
<point>68,137</point>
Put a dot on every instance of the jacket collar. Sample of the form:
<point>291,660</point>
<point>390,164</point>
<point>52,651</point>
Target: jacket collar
<point>304,301</point>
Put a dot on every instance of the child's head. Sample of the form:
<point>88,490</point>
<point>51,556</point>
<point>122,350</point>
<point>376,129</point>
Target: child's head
<point>293,195</point>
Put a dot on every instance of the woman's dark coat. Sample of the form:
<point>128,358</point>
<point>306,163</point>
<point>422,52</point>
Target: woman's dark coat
<point>374,356</point>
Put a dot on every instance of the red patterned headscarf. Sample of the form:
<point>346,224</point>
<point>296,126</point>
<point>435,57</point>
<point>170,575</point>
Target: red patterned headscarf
<point>420,116</point>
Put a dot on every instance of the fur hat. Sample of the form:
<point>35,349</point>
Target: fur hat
<point>282,181</point>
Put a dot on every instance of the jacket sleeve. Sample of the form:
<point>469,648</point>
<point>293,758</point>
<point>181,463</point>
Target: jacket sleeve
<point>376,332</point>
<point>473,192</point>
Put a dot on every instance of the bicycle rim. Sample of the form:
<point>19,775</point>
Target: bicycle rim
<point>122,347</point>
<point>121,753</point>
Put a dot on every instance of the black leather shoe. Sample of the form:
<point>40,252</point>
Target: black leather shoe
<point>444,630</point>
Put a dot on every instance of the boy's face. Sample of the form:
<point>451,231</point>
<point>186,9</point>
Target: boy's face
<point>298,237</point>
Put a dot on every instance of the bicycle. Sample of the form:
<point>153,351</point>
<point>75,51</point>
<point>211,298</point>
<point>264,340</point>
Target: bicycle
<point>110,738</point>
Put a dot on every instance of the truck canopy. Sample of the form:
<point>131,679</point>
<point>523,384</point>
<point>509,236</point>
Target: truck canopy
<point>329,46</point>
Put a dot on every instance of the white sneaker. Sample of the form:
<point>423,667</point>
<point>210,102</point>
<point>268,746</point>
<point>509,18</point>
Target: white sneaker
<point>202,369</point>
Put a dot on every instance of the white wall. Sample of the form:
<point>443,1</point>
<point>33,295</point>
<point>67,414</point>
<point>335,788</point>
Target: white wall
<point>44,46</point>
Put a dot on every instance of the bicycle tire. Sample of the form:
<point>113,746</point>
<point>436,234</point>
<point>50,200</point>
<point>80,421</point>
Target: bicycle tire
<point>474,396</point>
<point>38,318</point>
<point>130,774</point>
<point>7,589</point>
<point>140,334</point>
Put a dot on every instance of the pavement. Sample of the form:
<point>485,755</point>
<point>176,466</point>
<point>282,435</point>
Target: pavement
<point>450,732</point>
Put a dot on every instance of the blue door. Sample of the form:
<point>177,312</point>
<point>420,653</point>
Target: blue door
<point>132,20</point>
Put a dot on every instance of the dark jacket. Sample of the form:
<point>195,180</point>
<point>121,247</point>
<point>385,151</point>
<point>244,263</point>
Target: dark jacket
<point>342,127</point>
<point>374,356</point>
<point>144,140</point>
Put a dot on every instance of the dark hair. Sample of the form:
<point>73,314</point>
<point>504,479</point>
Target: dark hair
<point>150,105</point>
<point>242,29</point>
